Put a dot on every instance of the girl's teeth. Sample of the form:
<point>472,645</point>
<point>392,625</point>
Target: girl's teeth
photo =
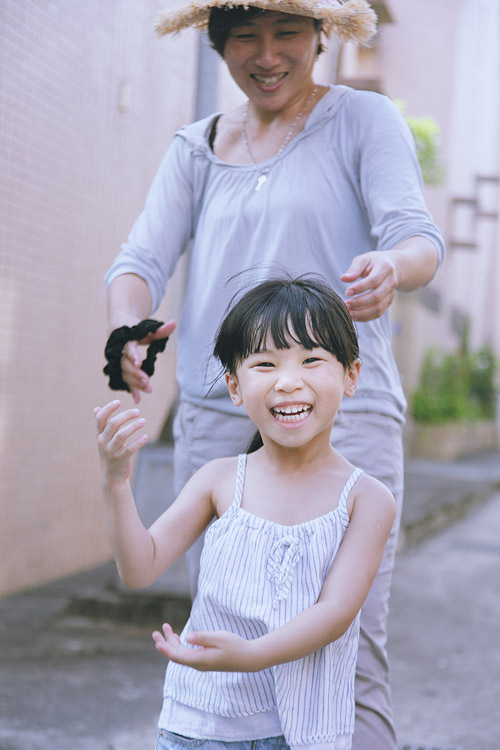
<point>291,413</point>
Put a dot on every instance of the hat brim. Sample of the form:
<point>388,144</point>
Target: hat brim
<point>350,21</point>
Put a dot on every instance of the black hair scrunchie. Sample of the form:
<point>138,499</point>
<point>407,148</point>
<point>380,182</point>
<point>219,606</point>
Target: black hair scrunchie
<point>114,350</point>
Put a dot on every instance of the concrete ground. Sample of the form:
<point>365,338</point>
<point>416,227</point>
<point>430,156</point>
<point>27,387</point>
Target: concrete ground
<point>444,637</point>
<point>78,669</point>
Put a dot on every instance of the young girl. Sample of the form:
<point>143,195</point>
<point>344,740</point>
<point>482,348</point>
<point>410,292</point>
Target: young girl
<point>298,533</point>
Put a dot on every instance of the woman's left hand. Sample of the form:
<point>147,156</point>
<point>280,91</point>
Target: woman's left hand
<point>375,285</point>
<point>215,652</point>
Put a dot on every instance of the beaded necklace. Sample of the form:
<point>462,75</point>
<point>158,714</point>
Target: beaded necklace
<point>262,178</point>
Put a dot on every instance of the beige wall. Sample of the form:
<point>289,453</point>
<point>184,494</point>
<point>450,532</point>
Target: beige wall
<point>416,60</point>
<point>90,100</point>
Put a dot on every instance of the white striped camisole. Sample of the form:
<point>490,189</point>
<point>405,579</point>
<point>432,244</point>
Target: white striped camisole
<point>255,576</point>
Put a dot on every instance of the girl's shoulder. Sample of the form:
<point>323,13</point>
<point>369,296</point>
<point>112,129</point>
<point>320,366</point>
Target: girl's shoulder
<point>370,495</point>
<point>219,469</point>
<point>220,476</point>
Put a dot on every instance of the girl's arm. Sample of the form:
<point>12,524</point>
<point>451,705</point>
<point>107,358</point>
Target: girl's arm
<point>141,554</point>
<point>344,591</point>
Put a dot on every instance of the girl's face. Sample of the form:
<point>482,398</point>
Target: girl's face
<point>271,59</point>
<point>292,395</point>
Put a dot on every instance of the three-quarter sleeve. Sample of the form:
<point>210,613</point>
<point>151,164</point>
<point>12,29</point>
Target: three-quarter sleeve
<point>390,179</point>
<point>162,231</point>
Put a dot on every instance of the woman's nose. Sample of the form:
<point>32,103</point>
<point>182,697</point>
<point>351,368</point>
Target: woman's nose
<point>267,53</point>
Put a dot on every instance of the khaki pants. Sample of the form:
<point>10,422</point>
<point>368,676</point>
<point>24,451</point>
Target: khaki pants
<point>374,443</point>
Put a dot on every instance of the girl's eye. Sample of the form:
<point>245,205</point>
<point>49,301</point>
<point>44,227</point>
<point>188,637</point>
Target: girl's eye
<point>311,360</point>
<point>264,364</point>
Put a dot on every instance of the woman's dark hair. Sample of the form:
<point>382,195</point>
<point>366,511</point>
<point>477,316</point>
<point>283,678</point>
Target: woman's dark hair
<point>223,20</point>
<point>304,310</point>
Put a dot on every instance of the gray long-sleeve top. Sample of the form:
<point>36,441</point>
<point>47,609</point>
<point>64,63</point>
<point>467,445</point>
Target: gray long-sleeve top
<point>347,184</point>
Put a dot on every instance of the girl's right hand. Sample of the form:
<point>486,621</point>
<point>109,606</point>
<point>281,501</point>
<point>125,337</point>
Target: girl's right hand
<point>118,441</point>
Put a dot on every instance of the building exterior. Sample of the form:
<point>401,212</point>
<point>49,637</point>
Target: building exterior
<point>90,99</point>
<point>443,60</point>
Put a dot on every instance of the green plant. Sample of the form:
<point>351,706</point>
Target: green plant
<point>426,133</point>
<point>457,386</point>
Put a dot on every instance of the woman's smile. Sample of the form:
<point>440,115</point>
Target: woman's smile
<point>273,53</point>
<point>269,82</point>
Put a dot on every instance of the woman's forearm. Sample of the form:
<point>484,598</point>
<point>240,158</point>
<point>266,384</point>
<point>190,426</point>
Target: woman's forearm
<point>415,261</point>
<point>128,301</point>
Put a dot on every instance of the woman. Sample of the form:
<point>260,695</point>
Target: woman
<point>304,177</point>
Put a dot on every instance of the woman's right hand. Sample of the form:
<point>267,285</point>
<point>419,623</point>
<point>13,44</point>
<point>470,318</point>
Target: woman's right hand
<point>131,361</point>
<point>118,441</point>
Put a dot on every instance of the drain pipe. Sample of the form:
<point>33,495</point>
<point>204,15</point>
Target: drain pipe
<point>208,78</point>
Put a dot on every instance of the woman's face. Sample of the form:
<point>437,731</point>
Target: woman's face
<point>271,58</point>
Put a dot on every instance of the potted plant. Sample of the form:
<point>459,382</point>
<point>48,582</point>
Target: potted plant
<point>453,410</point>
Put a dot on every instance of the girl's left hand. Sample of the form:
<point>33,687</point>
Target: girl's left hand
<point>217,652</point>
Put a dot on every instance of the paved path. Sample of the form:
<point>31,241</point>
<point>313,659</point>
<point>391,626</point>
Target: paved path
<point>78,670</point>
<point>445,636</point>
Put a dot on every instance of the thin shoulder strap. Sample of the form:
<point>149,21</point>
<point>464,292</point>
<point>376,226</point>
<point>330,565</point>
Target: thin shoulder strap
<point>240,479</point>
<point>348,487</point>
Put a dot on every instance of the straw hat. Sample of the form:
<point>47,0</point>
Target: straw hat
<point>349,20</point>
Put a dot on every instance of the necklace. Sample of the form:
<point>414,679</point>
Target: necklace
<point>262,178</point>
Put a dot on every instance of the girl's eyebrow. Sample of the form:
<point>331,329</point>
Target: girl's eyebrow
<point>257,352</point>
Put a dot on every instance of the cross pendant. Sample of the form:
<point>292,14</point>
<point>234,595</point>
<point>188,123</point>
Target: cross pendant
<point>261,180</point>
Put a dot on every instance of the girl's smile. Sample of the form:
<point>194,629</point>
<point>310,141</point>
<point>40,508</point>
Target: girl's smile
<point>292,395</point>
<point>291,414</point>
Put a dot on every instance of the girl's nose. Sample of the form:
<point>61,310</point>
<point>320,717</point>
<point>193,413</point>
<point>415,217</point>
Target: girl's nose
<point>289,382</point>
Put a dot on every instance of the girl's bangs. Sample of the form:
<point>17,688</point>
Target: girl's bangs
<point>285,327</point>
<point>284,313</point>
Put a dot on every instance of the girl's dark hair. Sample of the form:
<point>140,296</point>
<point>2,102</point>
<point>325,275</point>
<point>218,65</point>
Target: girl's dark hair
<point>223,20</point>
<point>304,310</point>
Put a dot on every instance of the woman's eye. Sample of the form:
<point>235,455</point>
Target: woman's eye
<point>243,37</point>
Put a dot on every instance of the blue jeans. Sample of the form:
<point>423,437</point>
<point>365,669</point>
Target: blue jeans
<point>170,741</point>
